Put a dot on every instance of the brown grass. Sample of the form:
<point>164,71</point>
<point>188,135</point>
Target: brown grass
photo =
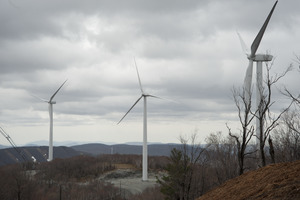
<point>278,181</point>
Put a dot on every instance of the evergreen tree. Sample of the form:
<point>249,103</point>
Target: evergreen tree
<point>174,183</point>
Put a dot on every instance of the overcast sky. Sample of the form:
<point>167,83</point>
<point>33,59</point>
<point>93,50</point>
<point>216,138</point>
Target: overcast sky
<point>186,51</point>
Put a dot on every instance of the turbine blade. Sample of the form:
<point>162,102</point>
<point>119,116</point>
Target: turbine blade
<point>57,91</point>
<point>243,44</point>
<point>130,109</point>
<point>248,81</point>
<point>44,100</point>
<point>149,95</point>
<point>49,109</point>
<point>137,71</point>
<point>260,34</point>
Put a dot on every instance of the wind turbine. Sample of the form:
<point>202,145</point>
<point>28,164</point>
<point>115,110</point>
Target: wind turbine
<point>50,106</point>
<point>145,147</point>
<point>258,58</point>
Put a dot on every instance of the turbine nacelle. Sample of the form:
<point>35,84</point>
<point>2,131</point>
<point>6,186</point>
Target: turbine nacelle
<point>146,95</point>
<point>52,102</point>
<point>261,57</point>
<point>251,53</point>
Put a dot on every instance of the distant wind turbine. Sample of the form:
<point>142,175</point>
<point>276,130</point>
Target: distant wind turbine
<point>145,148</point>
<point>258,58</point>
<point>51,102</point>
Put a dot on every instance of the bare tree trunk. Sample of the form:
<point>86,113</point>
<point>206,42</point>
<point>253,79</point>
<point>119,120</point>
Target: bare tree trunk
<point>261,142</point>
<point>271,150</point>
<point>263,114</point>
<point>262,156</point>
<point>242,140</point>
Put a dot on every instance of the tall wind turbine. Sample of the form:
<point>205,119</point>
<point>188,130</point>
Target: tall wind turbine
<point>258,58</point>
<point>50,106</point>
<point>145,148</point>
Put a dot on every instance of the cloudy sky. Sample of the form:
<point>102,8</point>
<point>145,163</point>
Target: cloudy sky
<point>186,51</point>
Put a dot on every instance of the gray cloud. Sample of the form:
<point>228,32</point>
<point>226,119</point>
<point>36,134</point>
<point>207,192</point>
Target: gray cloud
<point>185,51</point>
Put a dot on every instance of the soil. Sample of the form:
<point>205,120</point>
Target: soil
<point>277,181</point>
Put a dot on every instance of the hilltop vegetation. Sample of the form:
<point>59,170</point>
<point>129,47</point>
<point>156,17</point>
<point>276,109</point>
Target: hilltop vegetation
<point>71,178</point>
<point>79,178</point>
<point>189,172</point>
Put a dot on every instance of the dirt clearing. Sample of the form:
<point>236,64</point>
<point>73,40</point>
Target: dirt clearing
<point>129,180</point>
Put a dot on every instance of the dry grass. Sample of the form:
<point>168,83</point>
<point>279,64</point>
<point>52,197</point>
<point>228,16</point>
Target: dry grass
<point>278,181</point>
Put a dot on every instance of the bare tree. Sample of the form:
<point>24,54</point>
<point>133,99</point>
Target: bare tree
<point>223,156</point>
<point>286,92</point>
<point>271,149</point>
<point>268,120</point>
<point>293,97</point>
<point>194,154</point>
<point>245,118</point>
<point>287,137</point>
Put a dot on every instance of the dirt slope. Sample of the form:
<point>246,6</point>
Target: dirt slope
<point>278,181</point>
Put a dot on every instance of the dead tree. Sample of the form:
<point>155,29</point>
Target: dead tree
<point>245,118</point>
<point>223,156</point>
<point>287,137</point>
<point>271,150</point>
<point>267,120</point>
<point>286,92</point>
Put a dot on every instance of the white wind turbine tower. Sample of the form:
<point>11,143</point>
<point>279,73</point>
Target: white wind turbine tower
<point>145,148</point>
<point>258,58</point>
<point>51,102</point>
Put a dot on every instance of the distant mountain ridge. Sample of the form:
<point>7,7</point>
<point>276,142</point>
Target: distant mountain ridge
<point>40,153</point>
<point>98,148</point>
<point>3,146</point>
<point>75,143</point>
<point>55,143</point>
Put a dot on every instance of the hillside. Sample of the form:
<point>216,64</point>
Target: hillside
<point>11,156</point>
<point>153,149</point>
<point>278,181</point>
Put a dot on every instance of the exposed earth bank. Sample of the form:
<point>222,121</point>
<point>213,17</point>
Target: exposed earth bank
<point>278,181</point>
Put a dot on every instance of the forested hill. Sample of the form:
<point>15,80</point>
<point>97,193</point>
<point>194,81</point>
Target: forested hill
<point>153,149</point>
<point>40,153</point>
